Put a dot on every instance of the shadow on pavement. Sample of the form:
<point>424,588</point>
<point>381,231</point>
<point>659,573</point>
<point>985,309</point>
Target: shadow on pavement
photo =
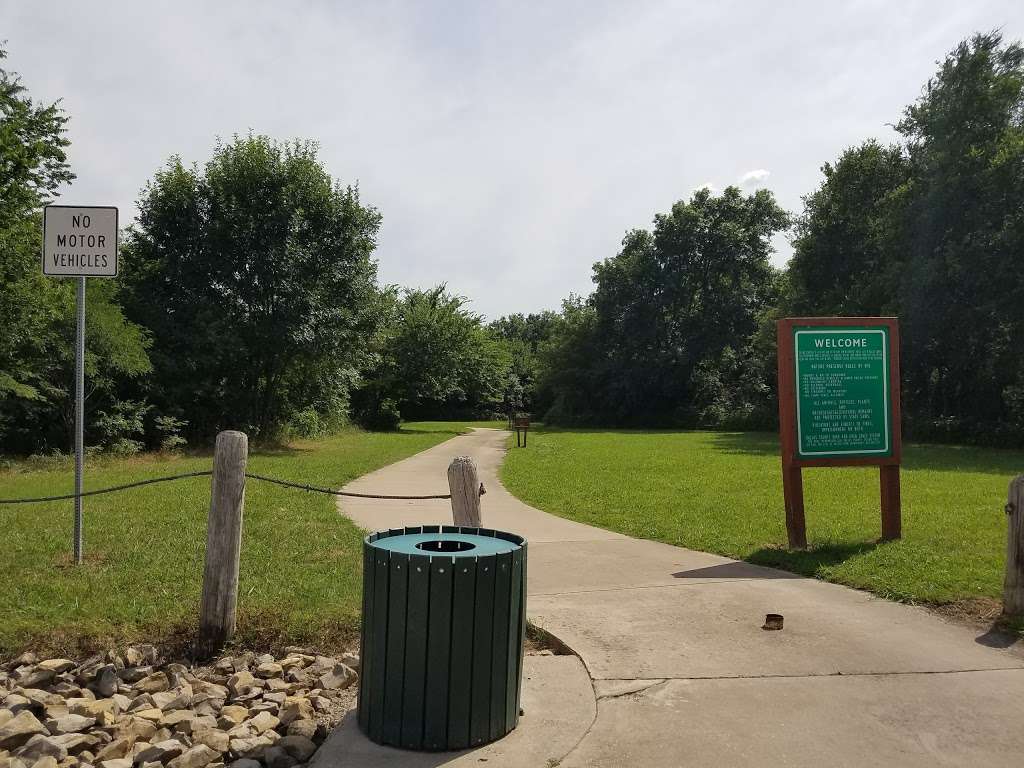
<point>809,562</point>
<point>734,571</point>
<point>998,636</point>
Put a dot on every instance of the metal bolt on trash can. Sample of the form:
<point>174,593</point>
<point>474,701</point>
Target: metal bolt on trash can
<point>444,617</point>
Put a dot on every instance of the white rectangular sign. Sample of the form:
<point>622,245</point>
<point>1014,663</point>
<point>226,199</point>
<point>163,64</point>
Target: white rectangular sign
<point>80,241</point>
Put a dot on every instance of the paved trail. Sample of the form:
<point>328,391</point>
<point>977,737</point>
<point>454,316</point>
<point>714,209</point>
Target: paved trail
<point>680,672</point>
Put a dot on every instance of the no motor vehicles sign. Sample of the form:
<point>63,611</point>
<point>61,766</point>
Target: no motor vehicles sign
<point>80,241</point>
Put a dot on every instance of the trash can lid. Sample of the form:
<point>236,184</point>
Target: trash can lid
<point>445,543</point>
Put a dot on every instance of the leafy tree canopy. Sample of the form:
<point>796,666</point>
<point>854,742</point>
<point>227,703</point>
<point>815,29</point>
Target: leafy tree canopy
<point>255,275</point>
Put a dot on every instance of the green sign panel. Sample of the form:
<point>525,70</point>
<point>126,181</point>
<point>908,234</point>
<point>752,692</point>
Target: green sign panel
<point>843,402</point>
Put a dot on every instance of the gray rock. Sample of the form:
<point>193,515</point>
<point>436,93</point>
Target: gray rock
<point>143,701</point>
<point>56,665</point>
<point>93,707</point>
<point>41,746</point>
<point>19,729</point>
<point>196,757</point>
<point>302,727</point>
<point>276,757</point>
<point>263,721</point>
<point>339,678</point>
<point>179,698</point>
<point>214,738</point>
<point>135,729</point>
<point>134,674</point>
<point>105,683</point>
<point>296,708</point>
<point>269,669</point>
<point>232,715</point>
<point>41,698</point>
<point>161,752</point>
<point>246,762</point>
<point>153,683</point>
<point>241,684</point>
<point>351,660</point>
<point>27,659</point>
<point>69,724</point>
<point>251,747</point>
<point>300,747</point>
<point>115,750</point>
<point>203,705</point>
<point>67,690</point>
<point>149,654</point>
<point>76,743</point>
<point>15,702</point>
<point>33,677</point>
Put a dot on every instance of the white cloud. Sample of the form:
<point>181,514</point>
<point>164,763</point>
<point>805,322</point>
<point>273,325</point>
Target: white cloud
<point>706,185</point>
<point>754,179</point>
<point>508,145</point>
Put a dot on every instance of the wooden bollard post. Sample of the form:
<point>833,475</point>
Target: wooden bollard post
<point>1013,584</point>
<point>223,543</point>
<point>465,487</point>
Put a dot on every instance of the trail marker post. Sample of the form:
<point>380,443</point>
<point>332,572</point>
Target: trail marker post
<point>839,406</point>
<point>219,605</point>
<point>79,242</point>
<point>464,483</point>
<point>1013,583</point>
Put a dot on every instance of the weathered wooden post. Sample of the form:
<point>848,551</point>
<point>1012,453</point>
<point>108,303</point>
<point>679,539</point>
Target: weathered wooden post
<point>1013,584</point>
<point>465,487</point>
<point>223,543</point>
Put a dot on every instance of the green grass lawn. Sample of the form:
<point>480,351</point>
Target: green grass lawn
<point>722,492</point>
<point>301,561</point>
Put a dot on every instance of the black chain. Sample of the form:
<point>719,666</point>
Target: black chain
<point>207,473</point>
<point>303,487</point>
<point>111,489</point>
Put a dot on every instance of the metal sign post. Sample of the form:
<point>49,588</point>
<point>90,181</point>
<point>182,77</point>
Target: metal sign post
<point>79,413</point>
<point>79,241</point>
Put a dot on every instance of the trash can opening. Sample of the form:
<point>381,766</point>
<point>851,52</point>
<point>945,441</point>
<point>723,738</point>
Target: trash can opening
<point>445,545</point>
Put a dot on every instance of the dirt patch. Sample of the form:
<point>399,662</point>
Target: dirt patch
<point>541,642</point>
<point>981,613</point>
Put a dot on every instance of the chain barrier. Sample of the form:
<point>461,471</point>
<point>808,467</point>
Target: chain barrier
<point>250,475</point>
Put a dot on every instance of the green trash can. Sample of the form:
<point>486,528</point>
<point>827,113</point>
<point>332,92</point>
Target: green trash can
<point>444,616</point>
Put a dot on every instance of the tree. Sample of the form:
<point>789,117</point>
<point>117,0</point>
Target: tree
<point>436,361</point>
<point>849,249</point>
<point>256,278</point>
<point>523,336</point>
<point>964,293</point>
<point>932,231</point>
<point>672,299</point>
<point>37,313</point>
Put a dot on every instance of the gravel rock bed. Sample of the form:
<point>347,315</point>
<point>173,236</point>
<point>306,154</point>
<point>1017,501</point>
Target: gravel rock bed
<point>131,708</point>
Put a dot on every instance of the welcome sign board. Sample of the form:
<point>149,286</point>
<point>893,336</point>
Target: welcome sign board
<point>839,405</point>
<point>843,397</point>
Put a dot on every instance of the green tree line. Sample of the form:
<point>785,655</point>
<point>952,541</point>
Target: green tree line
<point>249,296</point>
<point>679,331</point>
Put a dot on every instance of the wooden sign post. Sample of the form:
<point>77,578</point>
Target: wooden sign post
<point>839,406</point>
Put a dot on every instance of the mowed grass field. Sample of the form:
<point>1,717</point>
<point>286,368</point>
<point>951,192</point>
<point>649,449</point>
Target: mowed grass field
<point>722,492</point>
<point>301,561</point>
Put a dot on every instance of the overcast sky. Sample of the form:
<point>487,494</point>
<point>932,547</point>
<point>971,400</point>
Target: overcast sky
<point>508,145</point>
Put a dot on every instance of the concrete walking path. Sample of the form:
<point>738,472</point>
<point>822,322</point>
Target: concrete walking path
<point>681,672</point>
